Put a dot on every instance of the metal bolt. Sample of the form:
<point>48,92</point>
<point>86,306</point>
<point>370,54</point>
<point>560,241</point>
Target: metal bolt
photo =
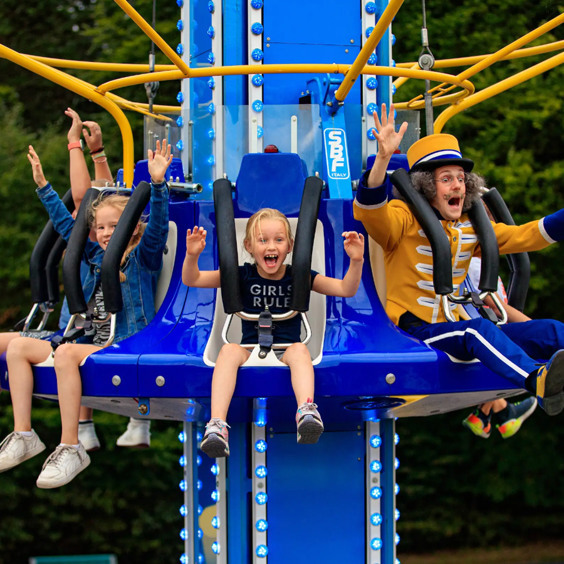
<point>390,378</point>
<point>116,380</point>
<point>160,381</point>
<point>143,409</point>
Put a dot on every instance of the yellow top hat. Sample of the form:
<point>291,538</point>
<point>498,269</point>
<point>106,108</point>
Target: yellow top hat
<point>433,151</point>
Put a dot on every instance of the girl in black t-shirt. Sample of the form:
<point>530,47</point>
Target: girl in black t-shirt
<point>268,239</point>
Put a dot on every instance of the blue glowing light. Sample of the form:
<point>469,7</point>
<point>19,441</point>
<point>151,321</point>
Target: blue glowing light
<point>262,551</point>
<point>211,32</point>
<point>215,522</point>
<point>257,107</point>
<point>199,485</point>
<point>211,7</point>
<point>370,134</point>
<point>198,460</point>
<point>370,7</point>
<point>215,470</point>
<point>183,510</point>
<point>182,485</point>
<point>211,58</point>
<point>375,441</point>
<point>257,80</point>
<point>257,28</point>
<point>215,547</point>
<point>180,49</point>
<point>179,121</point>
<point>211,160</point>
<point>200,509</point>
<point>199,436</point>
<point>260,131</point>
<point>261,446</point>
<point>397,539</point>
<point>396,463</point>
<point>394,88</point>
<point>256,4</point>
<point>261,471</point>
<point>180,3</point>
<point>393,39</point>
<point>184,559</point>
<point>393,63</point>
<point>396,439</point>
<point>376,492</point>
<point>261,498</point>
<point>371,83</point>
<point>211,83</point>
<point>376,519</point>
<point>200,534</point>
<point>396,514</point>
<point>261,417</point>
<point>201,559</point>
<point>179,25</point>
<point>376,544</point>
<point>257,55</point>
<point>396,489</point>
<point>211,109</point>
<point>211,133</point>
<point>182,461</point>
<point>369,30</point>
<point>180,144</point>
<point>183,534</point>
<point>372,59</point>
<point>215,495</point>
<point>371,108</point>
<point>375,466</point>
<point>262,525</point>
<point>180,99</point>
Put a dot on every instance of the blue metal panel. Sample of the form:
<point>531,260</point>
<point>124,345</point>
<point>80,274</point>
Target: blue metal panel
<point>309,514</point>
<point>234,50</point>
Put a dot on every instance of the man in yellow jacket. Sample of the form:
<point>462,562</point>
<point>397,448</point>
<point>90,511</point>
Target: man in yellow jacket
<point>440,172</point>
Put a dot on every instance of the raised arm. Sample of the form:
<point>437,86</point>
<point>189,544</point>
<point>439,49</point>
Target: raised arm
<point>348,286</point>
<point>92,133</point>
<point>78,170</point>
<point>388,142</point>
<point>191,273</point>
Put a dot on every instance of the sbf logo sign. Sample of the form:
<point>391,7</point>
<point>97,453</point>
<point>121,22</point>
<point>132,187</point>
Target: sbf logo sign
<point>336,152</point>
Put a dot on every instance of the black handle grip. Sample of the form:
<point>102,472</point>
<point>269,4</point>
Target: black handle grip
<point>38,276</point>
<point>490,251</point>
<point>227,246</point>
<point>440,246</point>
<point>73,256</point>
<point>113,301</point>
<point>303,244</point>
<point>519,263</point>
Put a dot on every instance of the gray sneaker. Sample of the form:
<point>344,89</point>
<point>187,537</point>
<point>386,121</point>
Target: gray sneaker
<point>16,448</point>
<point>310,425</point>
<point>63,464</point>
<point>216,439</point>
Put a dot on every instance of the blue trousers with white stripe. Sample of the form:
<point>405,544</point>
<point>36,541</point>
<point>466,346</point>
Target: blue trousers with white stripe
<point>512,350</point>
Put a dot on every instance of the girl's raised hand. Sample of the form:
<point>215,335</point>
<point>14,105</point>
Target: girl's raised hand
<point>36,168</point>
<point>195,241</point>
<point>354,245</point>
<point>75,129</point>
<point>159,161</point>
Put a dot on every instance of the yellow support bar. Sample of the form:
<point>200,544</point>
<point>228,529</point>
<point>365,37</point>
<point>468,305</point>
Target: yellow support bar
<point>84,90</point>
<point>95,66</point>
<point>495,89</point>
<point>154,36</point>
<point>368,48</point>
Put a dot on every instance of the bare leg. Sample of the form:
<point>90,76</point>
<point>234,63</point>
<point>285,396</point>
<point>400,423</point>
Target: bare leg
<point>297,357</point>
<point>6,339</point>
<point>497,405</point>
<point>22,353</point>
<point>230,358</point>
<point>86,413</point>
<point>67,361</point>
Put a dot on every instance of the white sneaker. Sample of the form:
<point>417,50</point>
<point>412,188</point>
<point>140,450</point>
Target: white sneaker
<point>88,437</point>
<point>137,434</point>
<point>63,464</point>
<point>16,448</point>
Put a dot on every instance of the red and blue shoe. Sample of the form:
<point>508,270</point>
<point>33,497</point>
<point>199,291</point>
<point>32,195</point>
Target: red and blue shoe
<point>510,419</point>
<point>479,423</point>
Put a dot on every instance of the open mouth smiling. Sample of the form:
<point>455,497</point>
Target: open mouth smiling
<point>271,260</point>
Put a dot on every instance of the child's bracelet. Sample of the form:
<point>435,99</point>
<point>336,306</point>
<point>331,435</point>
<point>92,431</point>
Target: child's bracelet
<point>98,155</point>
<point>100,159</point>
<point>75,145</point>
<point>98,150</point>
